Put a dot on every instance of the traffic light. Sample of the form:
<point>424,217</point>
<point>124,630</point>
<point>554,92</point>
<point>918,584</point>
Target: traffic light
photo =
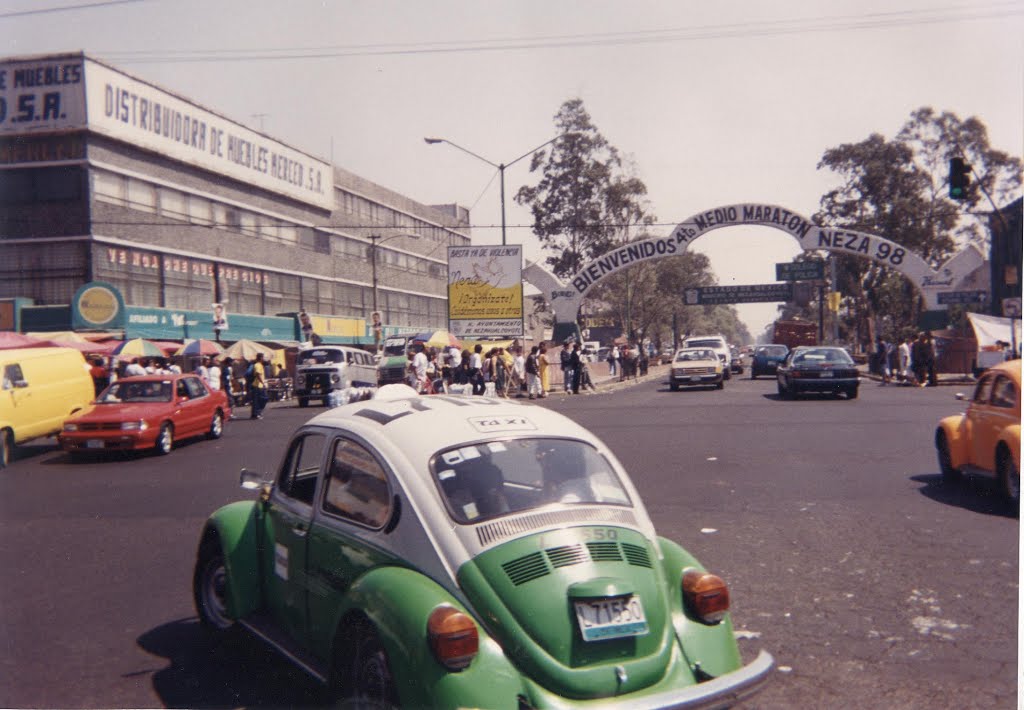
<point>834,300</point>
<point>959,178</point>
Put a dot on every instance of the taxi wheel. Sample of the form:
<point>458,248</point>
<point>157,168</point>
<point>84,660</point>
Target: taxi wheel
<point>949,474</point>
<point>5,448</point>
<point>1009,478</point>
<point>217,426</point>
<point>209,587</point>
<point>165,439</point>
<point>371,683</point>
<point>673,386</point>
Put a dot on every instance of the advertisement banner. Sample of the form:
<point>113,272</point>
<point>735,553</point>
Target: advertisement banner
<point>42,95</point>
<point>135,112</point>
<point>485,291</point>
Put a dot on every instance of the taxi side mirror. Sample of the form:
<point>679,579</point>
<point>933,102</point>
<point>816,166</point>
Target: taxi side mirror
<point>254,481</point>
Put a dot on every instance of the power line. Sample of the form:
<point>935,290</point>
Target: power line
<point>767,28</point>
<point>66,8</point>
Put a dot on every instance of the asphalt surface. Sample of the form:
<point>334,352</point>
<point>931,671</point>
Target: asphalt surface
<point>872,584</point>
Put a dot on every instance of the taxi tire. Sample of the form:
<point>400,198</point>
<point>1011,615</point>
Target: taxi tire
<point>165,439</point>
<point>6,448</point>
<point>216,426</point>
<point>371,683</point>
<point>1009,478</point>
<point>209,583</point>
<point>949,474</point>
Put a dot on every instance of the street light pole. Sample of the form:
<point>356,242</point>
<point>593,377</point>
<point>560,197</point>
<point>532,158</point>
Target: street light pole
<point>500,166</point>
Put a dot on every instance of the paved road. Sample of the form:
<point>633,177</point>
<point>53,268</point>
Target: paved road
<point>872,584</point>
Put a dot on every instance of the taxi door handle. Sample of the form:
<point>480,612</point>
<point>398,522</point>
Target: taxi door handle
<point>299,530</point>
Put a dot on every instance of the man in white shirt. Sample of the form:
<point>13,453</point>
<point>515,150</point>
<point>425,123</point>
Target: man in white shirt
<point>134,369</point>
<point>419,370</point>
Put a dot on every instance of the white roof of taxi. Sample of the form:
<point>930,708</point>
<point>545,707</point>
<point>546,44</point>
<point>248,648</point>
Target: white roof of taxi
<point>423,425</point>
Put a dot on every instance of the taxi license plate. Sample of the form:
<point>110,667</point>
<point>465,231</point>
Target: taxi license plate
<point>694,378</point>
<point>315,390</point>
<point>614,617</point>
<point>827,373</point>
<point>94,444</point>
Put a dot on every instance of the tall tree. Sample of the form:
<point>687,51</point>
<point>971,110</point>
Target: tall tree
<point>897,189</point>
<point>569,203</point>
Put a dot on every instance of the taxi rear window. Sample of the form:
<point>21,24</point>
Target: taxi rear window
<point>485,480</point>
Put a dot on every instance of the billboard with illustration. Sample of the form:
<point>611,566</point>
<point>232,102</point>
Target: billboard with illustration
<point>485,292</point>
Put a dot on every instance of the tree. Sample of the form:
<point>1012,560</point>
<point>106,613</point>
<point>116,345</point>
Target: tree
<point>896,189</point>
<point>570,203</point>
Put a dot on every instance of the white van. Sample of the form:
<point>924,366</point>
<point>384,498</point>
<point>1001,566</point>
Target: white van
<point>39,389</point>
<point>325,369</point>
<point>716,343</point>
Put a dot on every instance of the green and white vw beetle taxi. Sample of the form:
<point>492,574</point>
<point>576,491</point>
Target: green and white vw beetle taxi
<point>448,552</point>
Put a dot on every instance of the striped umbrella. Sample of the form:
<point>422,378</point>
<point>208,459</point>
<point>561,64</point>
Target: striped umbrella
<point>200,347</point>
<point>137,348</point>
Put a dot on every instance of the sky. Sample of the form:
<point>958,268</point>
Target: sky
<point>713,103</point>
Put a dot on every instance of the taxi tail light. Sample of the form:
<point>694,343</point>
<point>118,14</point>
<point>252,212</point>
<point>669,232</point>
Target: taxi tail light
<point>705,595</point>
<point>453,636</point>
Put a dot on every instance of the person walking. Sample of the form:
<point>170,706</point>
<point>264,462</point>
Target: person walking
<point>476,369</point>
<point>258,388</point>
<point>920,355</point>
<point>575,368</point>
<point>904,361</point>
<point>565,360</point>
<point>532,369</point>
<point>545,374</point>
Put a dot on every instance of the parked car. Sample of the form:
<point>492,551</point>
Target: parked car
<point>449,552</point>
<point>146,412</point>
<point>696,367</point>
<point>766,360</point>
<point>39,389</point>
<point>986,438</point>
<point>818,369</point>
<point>667,355</point>
<point>716,343</point>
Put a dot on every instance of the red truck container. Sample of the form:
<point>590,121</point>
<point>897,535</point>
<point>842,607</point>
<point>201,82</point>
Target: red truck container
<point>795,332</point>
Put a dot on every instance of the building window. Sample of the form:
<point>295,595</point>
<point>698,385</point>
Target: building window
<point>56,184</point>
<point>172,203</point>
<point>200,210</point>
<point>141,196</point>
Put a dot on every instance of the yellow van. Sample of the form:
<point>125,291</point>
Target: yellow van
<point>39,389</point>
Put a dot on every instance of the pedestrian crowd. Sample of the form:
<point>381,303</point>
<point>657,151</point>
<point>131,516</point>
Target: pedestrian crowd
<point>910,361</point>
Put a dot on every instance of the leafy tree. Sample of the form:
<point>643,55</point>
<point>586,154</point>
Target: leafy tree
<point>570,202</point>
<point>898,189</point>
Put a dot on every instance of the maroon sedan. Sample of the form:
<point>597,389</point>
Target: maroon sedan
<point>147,412</point>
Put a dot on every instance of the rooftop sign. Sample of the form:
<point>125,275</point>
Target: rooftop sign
<point>73,92</point>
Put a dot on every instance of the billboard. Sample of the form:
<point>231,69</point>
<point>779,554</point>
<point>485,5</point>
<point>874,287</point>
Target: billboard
<point>485,292</point>
<point>73,92</point>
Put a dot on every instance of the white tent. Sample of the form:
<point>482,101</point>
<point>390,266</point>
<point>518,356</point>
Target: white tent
<point>990,330</point>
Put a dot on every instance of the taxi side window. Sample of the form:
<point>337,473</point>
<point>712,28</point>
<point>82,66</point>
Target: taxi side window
<point>983,391</point>
<point>182,391</point>
<point>1004,393</point>
<point>357,486</point>
<point>12,374</point>
<point>299,473</point>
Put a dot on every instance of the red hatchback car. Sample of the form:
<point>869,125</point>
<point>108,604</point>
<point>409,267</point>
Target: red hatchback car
<point>147,412</point>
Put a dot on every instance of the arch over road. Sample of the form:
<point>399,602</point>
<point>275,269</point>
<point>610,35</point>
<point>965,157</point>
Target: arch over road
<point>565,298</point>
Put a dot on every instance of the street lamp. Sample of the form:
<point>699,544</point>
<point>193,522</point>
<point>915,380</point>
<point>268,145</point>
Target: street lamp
<point>500,166</point>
